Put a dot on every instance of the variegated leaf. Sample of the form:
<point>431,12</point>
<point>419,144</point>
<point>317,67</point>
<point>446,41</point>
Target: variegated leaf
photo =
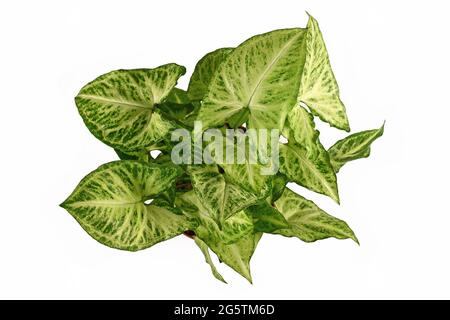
<point>204,71</point>
<point>312,171</point>
<point>142,155</point>
<point>206,228</point>
<point>308,222</point>
<point>355,146</point>
<point>302,129</point>
<point>244,173</point>
<point>234,244</point>
<point>204,248</point>
<point>266,218</point>
<point>109,204</point>
<point>279,182</point>
<point>178,96</point>
<point>259,80</point>
<point>238,255</point>
<point>318,88</point>
<point>220,197</point>
<point>120,107</point>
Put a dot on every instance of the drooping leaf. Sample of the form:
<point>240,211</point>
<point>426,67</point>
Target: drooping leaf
<point>120,107</point>
<point>204,248</point>
<point>312,171</point>
<point>238,255</point>
<point>318,88</point>
<point>234,244</point>
<point>266,218</point>
<point>206,228</point>
<point>204,71</point>
<point>260,78</point>
<point>109,204</point>
<point>302,129</point>
<point>307,221</point>
<point>220,197</point>
<point>355,146</point>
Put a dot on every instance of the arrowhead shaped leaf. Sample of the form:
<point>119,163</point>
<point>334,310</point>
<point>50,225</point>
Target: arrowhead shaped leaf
<point>120,107</point>
<point>318,88</point>
<point>312,171</point>
<point>220,197</point>
<point>238,255</point>
<point>302,129</point>
<point>234,244</point>
<point>109,204</point>
<point>206,228</point>
<point>204,248</point>
<point>308,222</point>
<point>259,79</point>
<point>266,218</point>
<point>204,71</point>
<point>355,146</point>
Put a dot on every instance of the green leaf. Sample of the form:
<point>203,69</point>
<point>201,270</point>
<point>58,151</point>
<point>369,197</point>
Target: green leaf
<point>136,155</point>
<point>355,146</point>
<point>204,248</point>
<point>266,218</point>
<point>302,129</point>
<point>109,204</point>
<point>278,185</point>
<point>178,96</point>
<point>260,77</point>
<point>121,107</point>
<point>308,222</point>
<point>204,71</point>
<point>238,255</point>
<point>318,88</point>
<point>220,197</point>
<point>206,228</point>
<point>234,244</point>
<point>312,171</point>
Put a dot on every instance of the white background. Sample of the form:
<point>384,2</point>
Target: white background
<point>391,60</point>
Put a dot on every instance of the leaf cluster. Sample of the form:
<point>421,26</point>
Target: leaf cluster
<point>278,80</point>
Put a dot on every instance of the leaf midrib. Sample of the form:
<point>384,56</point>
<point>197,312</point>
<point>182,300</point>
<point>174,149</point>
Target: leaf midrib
<point>314,170</point>
<point>121,102</point>
<point>269,67</point>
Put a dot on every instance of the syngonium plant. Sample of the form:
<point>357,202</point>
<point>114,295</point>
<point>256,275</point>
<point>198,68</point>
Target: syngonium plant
<point>277,80</point>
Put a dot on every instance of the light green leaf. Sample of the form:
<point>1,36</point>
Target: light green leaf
<point>206,228</point>
<point>318,88</point>
<point>245,173</point>
<point>204,248</point>
<point>204,71</point>
<point>260,77</point>
<point>312,171</point>
<point>238,255</point>
<point>220,197</point>
<point>302,129</point>
<point>120,107</point>
<point>308,222</point>
<point>266,218</point>
<point>355,146</point>
<point>109,204</point>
